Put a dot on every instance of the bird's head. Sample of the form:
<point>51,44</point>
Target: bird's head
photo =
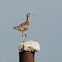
<point>28,15</point>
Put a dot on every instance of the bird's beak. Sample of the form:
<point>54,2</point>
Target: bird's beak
<point>32,15</point>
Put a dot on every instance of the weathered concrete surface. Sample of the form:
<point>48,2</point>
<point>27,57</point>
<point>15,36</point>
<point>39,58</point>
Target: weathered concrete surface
<point>31,45</point>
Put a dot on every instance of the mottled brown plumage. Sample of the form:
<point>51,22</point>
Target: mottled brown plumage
<point>24,26</point>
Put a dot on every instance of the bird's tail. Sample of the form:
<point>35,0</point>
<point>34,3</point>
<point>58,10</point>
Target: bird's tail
<point>14,28</point>
<point>17,28</point>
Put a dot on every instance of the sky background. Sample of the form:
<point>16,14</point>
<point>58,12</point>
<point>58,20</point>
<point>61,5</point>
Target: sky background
<point>46,28</point>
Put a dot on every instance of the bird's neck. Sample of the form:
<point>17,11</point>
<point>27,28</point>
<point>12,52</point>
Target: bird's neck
<point>27,19</point>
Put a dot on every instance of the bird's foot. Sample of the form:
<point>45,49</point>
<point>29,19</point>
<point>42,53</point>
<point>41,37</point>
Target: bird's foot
<point>25,35</point>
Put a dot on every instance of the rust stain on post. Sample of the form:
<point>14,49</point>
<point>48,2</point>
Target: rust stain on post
<point>26,56</point>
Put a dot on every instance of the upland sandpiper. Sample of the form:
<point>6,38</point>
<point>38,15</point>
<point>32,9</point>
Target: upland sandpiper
<point>24,26</point>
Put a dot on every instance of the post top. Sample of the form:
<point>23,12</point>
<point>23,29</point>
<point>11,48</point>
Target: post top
<point>31,46</point>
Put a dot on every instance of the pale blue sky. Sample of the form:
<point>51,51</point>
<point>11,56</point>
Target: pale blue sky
<point>46,28</point>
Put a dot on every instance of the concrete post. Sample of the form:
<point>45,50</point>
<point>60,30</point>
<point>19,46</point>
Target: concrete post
<point>26,56</point>
<point>27,51</point>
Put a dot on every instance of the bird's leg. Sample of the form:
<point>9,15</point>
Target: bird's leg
<point>25,35</point>
<point>22,36</point>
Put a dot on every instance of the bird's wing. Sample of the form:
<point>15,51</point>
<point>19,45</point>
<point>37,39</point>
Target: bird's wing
<point>23,25</point>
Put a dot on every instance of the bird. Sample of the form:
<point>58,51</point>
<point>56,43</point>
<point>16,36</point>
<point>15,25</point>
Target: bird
<point>24,26</point>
